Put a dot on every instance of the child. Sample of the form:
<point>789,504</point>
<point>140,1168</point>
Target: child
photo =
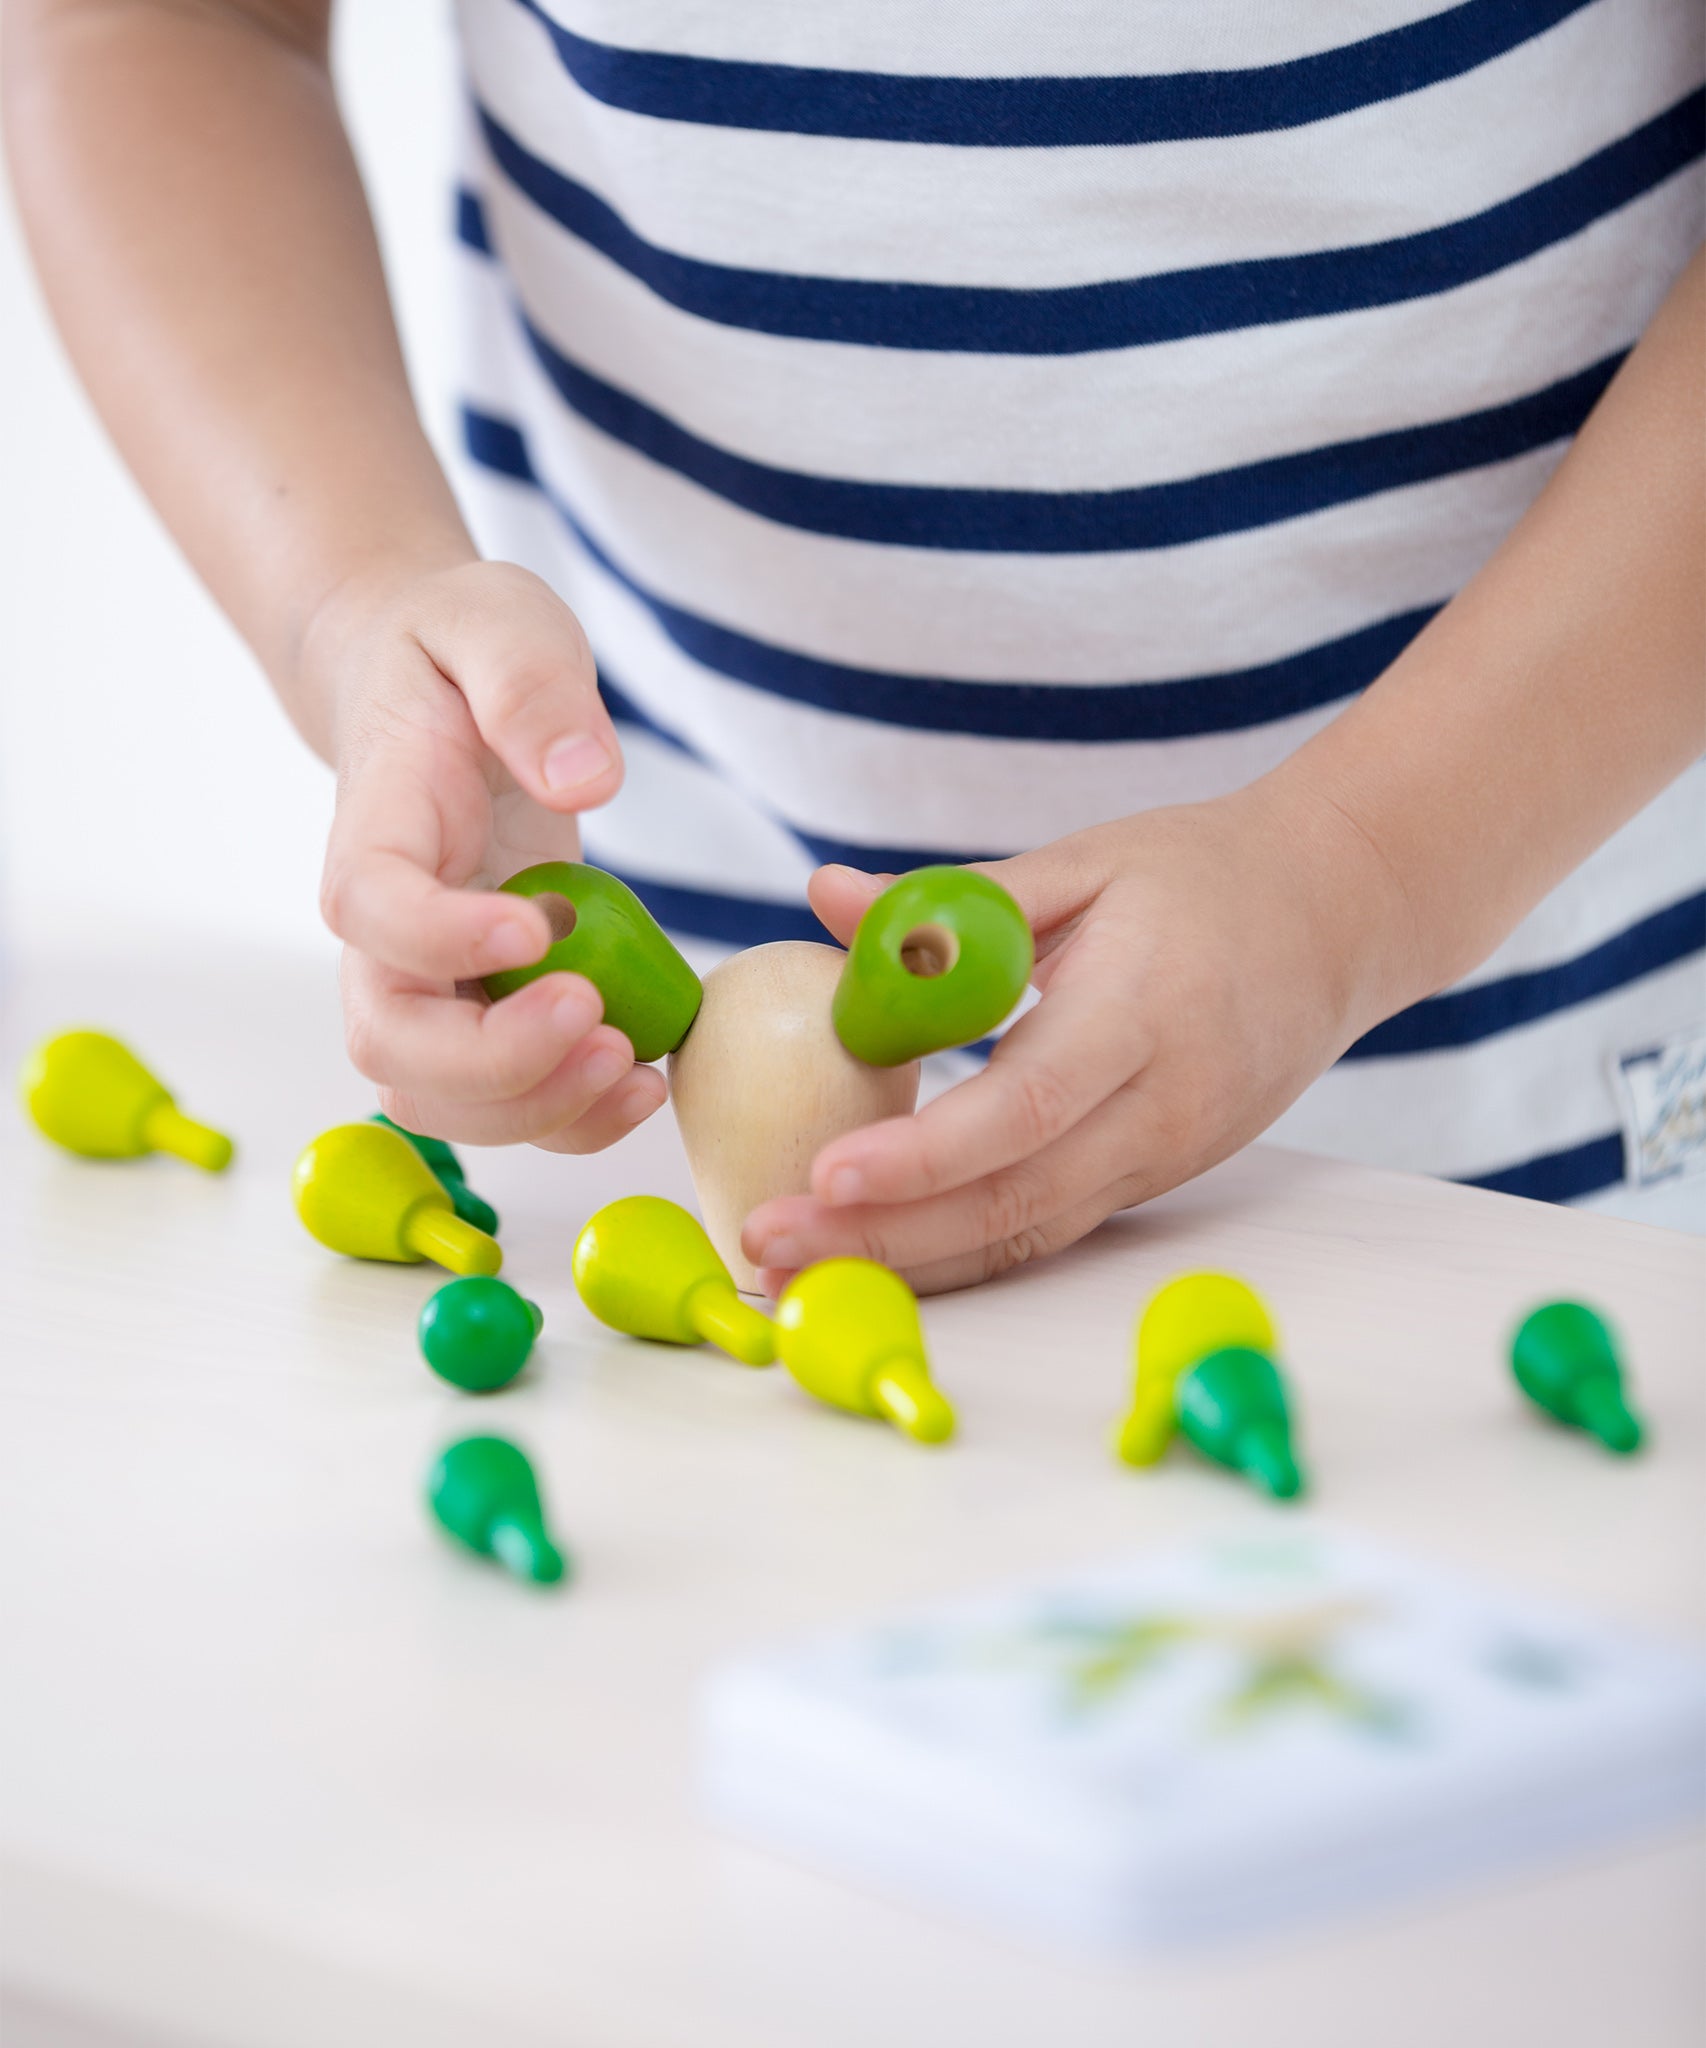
<point>1193,455</point>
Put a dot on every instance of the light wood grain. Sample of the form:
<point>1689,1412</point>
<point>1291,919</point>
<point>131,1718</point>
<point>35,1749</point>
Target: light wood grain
<point>761,1084</point>
<point>281,1769</point>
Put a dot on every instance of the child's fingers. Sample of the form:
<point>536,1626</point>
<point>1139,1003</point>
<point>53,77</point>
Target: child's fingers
<point>595,1066</point>
<point>613,1116</point>
<point>990,1261</point>
<point>383,905</point>
<point>1007,1206</point>
<point>1055,1065</point>
<point>840,896</point>
<point>528,676</point>
<point>381,893</point>
<point>426,1042</point>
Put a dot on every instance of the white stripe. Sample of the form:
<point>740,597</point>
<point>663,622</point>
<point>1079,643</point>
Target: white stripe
<point>1011,618</point>
<point>996,38</point>
<point>1535,1090</point>
<point>1539,1088</point>
<point>851,778</point>
<point>1117,418</point>
<point>825,206</point>
<point>677,821</point>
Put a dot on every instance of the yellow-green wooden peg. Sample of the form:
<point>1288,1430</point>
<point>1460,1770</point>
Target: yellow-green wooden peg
<point>848,1331</point>
<point>646,1267</point>
<point>1191,1317</point>
<point>92,1095</point>
<point>365,1191</point>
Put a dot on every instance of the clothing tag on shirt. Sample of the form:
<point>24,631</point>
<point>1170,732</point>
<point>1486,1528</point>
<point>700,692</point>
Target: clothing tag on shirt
<point>1662,1093</point>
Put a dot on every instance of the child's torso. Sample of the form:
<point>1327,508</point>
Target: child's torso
<point>959,425</point>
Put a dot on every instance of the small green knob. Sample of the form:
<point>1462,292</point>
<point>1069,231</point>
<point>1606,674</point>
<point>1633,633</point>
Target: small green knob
<point>477,1333</point>
<point>939,959</point>
<point>483,1493</point>
<point>1232,1407</point>
<point>601,929</point>
<point>447,1168</point>
<point>1564,1358</point>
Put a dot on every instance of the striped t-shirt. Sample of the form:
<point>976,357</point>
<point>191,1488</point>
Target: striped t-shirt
<point>957,426</point>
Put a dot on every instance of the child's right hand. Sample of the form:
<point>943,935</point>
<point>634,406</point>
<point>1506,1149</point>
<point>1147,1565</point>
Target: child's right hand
<point>468,732</point>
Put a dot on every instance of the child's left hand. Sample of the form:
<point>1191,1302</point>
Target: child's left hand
<point>1198,966</point>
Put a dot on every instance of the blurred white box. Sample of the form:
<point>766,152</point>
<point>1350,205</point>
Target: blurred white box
<point>1276,1724</point>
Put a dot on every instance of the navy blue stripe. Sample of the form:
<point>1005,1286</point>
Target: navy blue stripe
<point>1439,1023</point>
<point>471,228</point>
<point>1043,113</point>
<point>725,920</point>
<point>1127,312</point>
<point>1464,1016</point>
<point>1231,701</point>
<point>1010,522</point>
<point>1560,1176</point>
<point>875,860</point>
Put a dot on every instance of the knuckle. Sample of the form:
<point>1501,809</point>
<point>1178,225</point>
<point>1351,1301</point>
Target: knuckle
<point>1009,1204</point>
<point>336,894</point>
<point>1035,1241</point>
<point>1039,1104</point>
<point>1011,1253</point>
<point>512,689</point>
<point>407,1110</point>
<point>362,1043</point>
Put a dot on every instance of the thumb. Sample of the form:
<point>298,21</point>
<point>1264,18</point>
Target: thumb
<point>1051,886</point>
<point>840,897</point>
<point>518,655</point>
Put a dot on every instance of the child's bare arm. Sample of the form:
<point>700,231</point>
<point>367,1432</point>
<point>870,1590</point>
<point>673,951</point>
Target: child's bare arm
<point>205,244</point>
<point>1201,966</point>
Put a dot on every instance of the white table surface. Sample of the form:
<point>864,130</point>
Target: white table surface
<point>282,1771</point>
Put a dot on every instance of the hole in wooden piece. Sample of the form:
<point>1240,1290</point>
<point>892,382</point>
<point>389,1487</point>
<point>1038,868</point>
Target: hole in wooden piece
<point>928,950</point>
<point>559,914</point>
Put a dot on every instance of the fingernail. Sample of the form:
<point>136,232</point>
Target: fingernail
<point>603,1069</point>
<point>858,875</point>
<point>845,1185</point>
<point>575,760</point>
<point>782,1251</point>
<point>511,943</point>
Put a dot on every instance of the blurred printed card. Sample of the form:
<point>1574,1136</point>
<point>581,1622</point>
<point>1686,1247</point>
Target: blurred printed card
<point>1217,1739</point>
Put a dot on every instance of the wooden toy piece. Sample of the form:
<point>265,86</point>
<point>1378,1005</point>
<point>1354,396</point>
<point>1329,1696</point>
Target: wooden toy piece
<point>1189,1318</point>
<point>477,1333</point>
<point>1564,1359</point>
<point>482,1492</point>
<point>939,959</point>
<point>365,1191</point>
<point>646,1267</point>
<point>848,1331</point>
<point>472,1208</point>
<point>601,929</point>
<point>761,1084</point>
<point>92,1095</point>
<point>1232,1407</point>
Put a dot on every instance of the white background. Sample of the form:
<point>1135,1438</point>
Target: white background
<point>147,777</point>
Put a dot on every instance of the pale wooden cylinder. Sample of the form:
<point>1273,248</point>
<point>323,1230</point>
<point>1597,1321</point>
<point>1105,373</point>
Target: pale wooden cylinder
<point>761,1084</point>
